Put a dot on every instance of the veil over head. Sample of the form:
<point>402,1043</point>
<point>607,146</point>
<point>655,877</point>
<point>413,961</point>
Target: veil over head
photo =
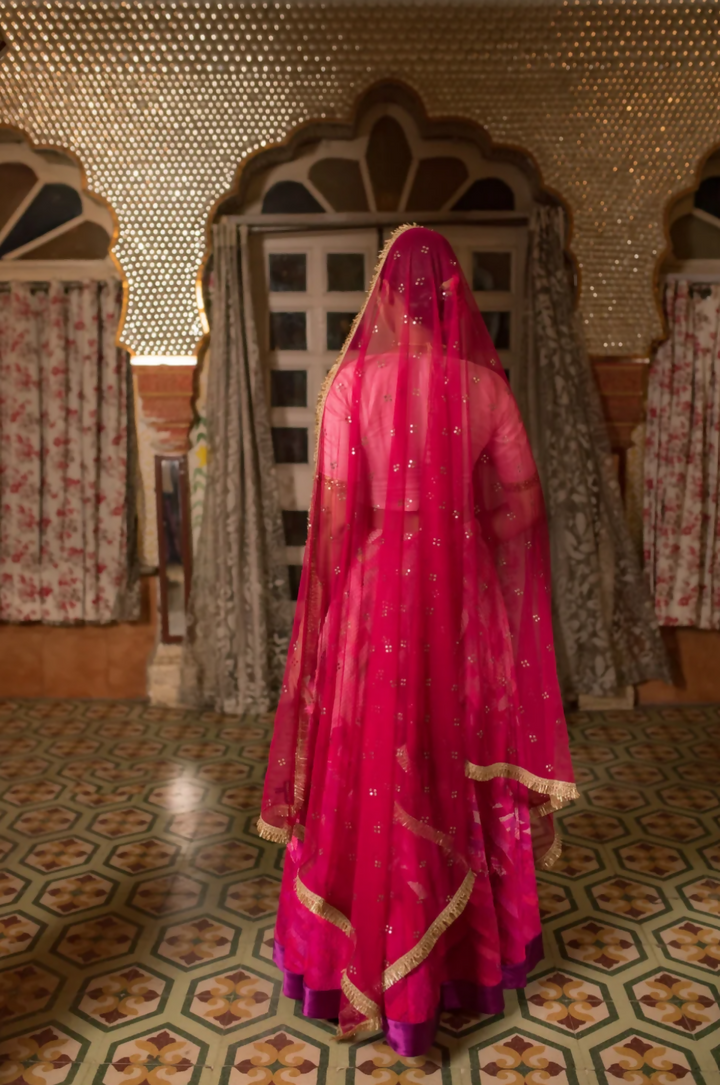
<point>421,674</point>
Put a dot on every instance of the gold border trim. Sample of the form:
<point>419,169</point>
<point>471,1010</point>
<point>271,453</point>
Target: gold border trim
<point>426,832</point>
<point>551,856</point>
<point>272,833</point>
<point>362,1004</point>
<point>320,907</point>
<point>415,956</point>
<point>562,791</point>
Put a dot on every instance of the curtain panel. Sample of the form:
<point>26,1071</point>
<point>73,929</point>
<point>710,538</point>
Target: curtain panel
<point>682,461</point>
<point>67,509</point>
<point>240,614</point>
<point>606,633</point>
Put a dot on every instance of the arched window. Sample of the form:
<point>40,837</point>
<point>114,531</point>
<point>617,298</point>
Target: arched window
<point>695,228</point>
<point>51,227</point>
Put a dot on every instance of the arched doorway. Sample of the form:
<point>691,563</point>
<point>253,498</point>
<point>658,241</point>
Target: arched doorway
<point>319,210</point>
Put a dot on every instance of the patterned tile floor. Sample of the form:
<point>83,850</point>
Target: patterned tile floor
<point>137,903</point>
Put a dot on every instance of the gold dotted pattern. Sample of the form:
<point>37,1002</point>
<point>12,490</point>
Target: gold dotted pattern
<point>162,101</point>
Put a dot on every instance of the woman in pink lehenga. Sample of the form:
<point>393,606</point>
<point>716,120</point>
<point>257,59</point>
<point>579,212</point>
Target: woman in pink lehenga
<point>420,746</point>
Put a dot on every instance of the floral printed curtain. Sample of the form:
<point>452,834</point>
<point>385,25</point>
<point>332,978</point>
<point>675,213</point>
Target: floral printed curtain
<point>67,514</point>
<point>606,633</point>
<point>682,461</point>
<point>240,615</point>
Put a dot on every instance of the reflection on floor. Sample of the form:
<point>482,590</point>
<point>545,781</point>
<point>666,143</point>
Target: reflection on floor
<point>136,914</point>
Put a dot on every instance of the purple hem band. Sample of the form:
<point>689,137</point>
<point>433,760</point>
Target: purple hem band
<point>411,1040</point>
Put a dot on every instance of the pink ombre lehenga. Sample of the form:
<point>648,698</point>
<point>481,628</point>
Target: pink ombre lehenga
<point>420,746</point>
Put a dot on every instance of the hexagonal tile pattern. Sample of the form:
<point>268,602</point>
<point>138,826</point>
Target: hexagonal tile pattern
<point>257,752</point>
<point>11,886</point>
<point>76,893</point>
<point>168,895</point>
<point>692,943</point>
<point>48,1054</point>
<point>128,821</point>
<point>179,796</point>
<point>59,854</point>
<point>116,998</point>
<point>706,751</point>
<point>577,861</point>
<point>11,747</point>
<point>590,825</point>
<point>644,1059</point>
<point>616,797</point>
<point>264,944</point>
<point>224,772</point>
<point>45,820</point>
<point>140,856</point>
<point>616,735</point>
<point>655,860</point>
<point>655,884</point>
<point>174,732</point>
<point>165,1053</point>
<point>254,898</point>
<point>201,751</point>
<point>584,775</point>
<point>39,791</point>
<point>243,797</point>
<point>197,942</point>
<point>710,855</point>
<point>656,753</point>
<point>669,825</point>
<point>588,753</point>
<point>567,1003</point>
<point>96,940</point>
<point>18,934</point>
<point>705,773</point>
<point>27,989</point>
<point>231,998</point>
<point>227,857</point>
<point>702,895</point>
<point>521,1056</point>
<point>680,1003</point>
<point>599,945</point>
<point>243,733</point>
<point>22,768</point>
<point>132,751</point>
<point>74,747</point>
<point>461,1023</point>
<point>637,774</point>
<point>685,797</point>
<point>554,899</point>
<point>627,899</point>
<point>677,735</point>
<point>277,1053</point>
<point>198,825</point>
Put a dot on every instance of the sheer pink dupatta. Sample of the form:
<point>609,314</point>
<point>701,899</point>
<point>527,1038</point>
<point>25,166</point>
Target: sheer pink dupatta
<point>421,664</point>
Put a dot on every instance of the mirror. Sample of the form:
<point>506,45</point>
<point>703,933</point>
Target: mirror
<point>174,544</point>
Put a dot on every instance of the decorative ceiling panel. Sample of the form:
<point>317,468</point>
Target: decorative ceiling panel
<point>162,101</point>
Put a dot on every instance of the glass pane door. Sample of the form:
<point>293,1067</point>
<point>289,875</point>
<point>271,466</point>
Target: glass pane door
<point>308,288</point>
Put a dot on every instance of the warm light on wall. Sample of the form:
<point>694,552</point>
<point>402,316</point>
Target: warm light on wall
<point>164,359</point>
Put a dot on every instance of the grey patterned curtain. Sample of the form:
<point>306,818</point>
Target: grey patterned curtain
<point>606,632</point>
<point>240,612</point>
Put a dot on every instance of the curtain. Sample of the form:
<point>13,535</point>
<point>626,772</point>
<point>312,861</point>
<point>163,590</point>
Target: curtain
<point>67,510</point>
<point>606,633</point>
<point>240,613</point>
<point>682,461</point>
